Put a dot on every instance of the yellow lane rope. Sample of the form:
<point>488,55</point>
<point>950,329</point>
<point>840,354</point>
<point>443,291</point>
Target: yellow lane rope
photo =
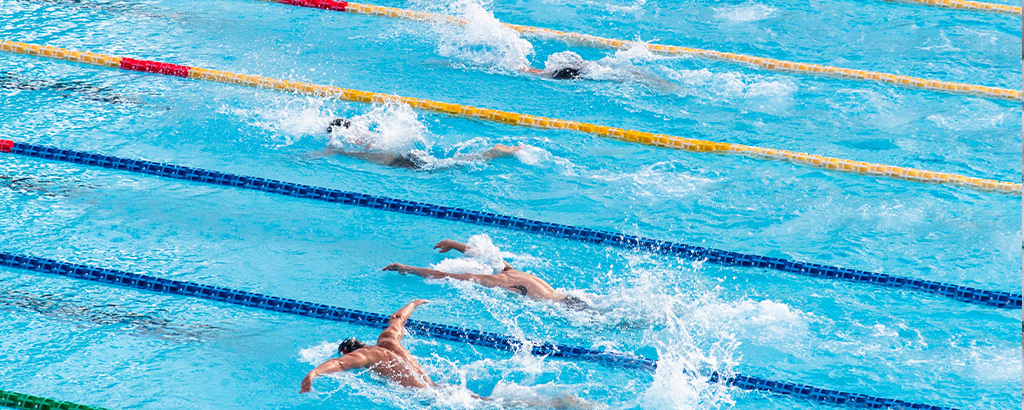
<point>771,64</point>
<point>967,5</point>
<point>659,140</point>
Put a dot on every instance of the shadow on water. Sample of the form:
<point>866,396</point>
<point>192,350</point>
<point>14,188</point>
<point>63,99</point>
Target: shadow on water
<point>37,185</point>
<point>9,81</point>
<point>107,6</point>
<point>62,307</point>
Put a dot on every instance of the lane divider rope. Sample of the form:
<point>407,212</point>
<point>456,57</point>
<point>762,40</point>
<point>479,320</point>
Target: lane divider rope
<point>765,63</point>
<point>967,294</point>
<point>966,5</point>
<point>438,331</point>
<point>647,138</point>
<point>21,401</point>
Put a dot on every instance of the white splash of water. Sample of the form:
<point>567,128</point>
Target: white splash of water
<point>288,120</point>
<point>483,257</point>
<point>315,355</point>
<point>483,41</point>
<point>676,309</point>
<point>390,127</point>
<point>531,155</point>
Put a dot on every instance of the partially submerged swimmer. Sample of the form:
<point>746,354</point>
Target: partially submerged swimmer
<point>564,73</point>
<point>409,160</point>
<point>388,358</point>
<point>509,278</point>
<point>566,65</point>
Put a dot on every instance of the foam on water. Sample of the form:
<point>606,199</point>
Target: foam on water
<point>745,13</point>
<point>707,84</point>
<point>659,179</point>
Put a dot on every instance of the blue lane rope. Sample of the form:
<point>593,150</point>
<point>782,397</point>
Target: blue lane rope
<point>967,294</point>
<point>451,333</point>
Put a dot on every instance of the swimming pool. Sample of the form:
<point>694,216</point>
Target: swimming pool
<point>117,348</point>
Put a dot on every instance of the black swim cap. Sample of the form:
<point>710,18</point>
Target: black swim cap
<point>566,73</point>
<point>338,122</point>
<point>349,346</point>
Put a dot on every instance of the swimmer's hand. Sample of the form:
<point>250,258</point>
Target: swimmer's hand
<point>445,245</point>
<point>307,384</point>
<point>448,244</point>
<point>397,267</point>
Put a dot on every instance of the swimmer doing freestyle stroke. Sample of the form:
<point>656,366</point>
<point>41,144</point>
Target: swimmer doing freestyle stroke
<point>409,160</point>
<point>509,278</point>
<point>568,65</point>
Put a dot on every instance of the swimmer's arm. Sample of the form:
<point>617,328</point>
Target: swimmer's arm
<point>346,362</point>
<point>486,280</point>
<point>531,70</point>
<point>396,323</point>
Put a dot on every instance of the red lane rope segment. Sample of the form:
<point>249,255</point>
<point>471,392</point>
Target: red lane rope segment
<point>155,67</point>
<point>318,4</point>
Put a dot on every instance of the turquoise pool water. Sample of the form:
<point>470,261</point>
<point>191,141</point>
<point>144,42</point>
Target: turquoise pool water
<point>123,349</point>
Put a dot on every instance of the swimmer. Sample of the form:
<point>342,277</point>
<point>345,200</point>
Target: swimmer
<point>560,66</point>
<point>564,73</point>
<point>388,358</point>
<point>509,278</point>
<point>409,160</point>
<point>568,65</point>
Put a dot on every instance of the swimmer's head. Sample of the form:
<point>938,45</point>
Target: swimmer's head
<point>349,346</point>
<point>566,73</point>
<point>339,123</point>
<point>566,65</point>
